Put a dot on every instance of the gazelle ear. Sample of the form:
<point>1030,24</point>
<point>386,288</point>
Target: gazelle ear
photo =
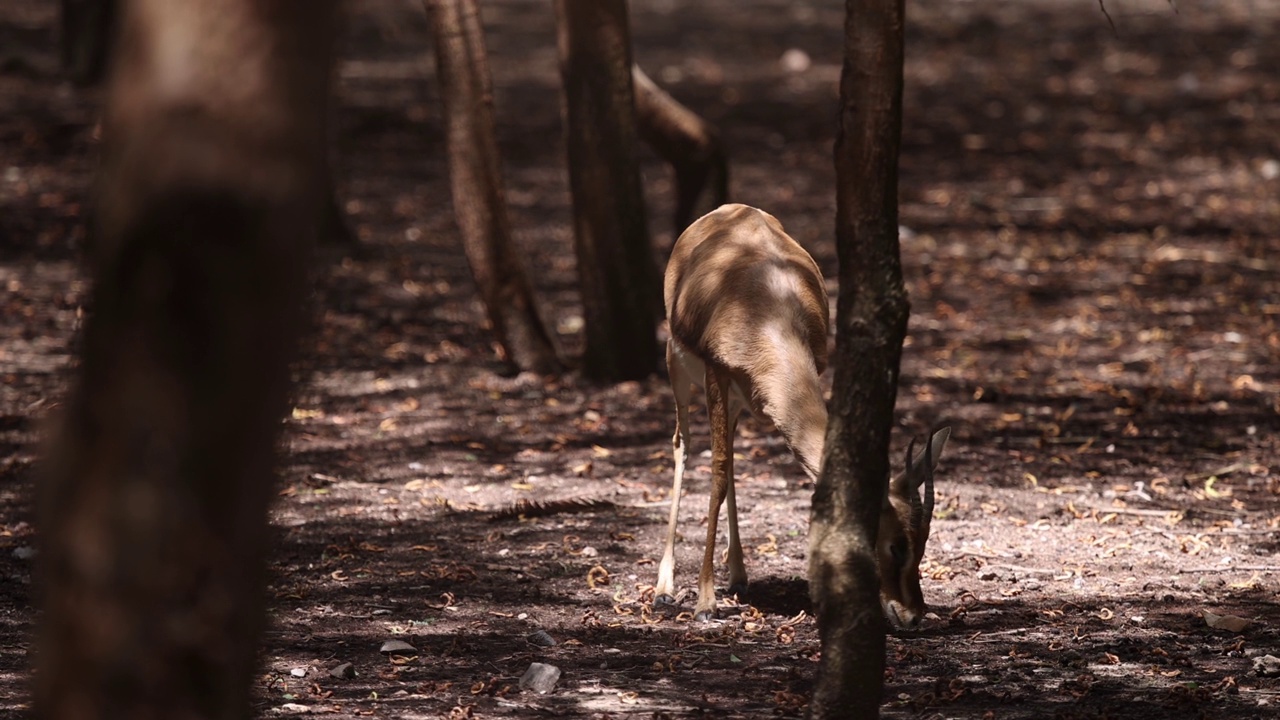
<point>933,452</point>
<point>937,443</point>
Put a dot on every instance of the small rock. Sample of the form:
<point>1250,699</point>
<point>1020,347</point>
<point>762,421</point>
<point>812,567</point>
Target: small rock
<point>345,671</point>
<point>988,575</point>
<point>397,647</point>
<point>1266,666</point>
<point>540,678</point>
<point>24,553</point>
<point>541,639</point>
<point>1231,623</point>
<point>298,672</point>
<point>293,708</point>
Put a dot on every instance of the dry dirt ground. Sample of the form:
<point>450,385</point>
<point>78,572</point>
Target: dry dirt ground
<point>1092,231</point>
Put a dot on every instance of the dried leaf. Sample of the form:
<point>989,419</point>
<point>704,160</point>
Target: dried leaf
<point>1230,623</point>
<point>597,576</point>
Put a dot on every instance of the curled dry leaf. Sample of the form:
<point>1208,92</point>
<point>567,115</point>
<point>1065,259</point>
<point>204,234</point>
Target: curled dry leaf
<point>447,600</point>
<point>597,576</point>
<point>768,548</point>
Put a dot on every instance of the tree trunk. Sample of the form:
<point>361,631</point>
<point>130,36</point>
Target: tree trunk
<point>479,202</point>
<point>871,322</point>
<point>616,268</point>
<point>87,36</point>
<point>690,144</point>
<point>157,479</point>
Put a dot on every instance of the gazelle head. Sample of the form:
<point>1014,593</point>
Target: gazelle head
<point>904,529</point>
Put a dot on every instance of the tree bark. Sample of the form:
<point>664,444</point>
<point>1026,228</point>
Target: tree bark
<point>691,145</point>
<point>479,201</point>
<point>154,503</point>
<point>87,37</point>
<point>616,268</point>
<point>871,322</point>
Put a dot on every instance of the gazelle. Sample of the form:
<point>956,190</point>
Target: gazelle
<point>748,313</point>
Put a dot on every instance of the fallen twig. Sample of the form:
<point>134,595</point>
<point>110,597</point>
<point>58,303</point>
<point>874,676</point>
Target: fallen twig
<point>1220,472</point>
<point>1022,569</point>
<point>1229,568</point>
<point>1135,511</point>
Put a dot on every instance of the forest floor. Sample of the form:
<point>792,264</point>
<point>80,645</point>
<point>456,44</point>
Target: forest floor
<point>1091,243</point>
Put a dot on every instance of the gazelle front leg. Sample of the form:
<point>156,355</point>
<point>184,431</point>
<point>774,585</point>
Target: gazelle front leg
<point>718,388</point>
<point>682,388</point>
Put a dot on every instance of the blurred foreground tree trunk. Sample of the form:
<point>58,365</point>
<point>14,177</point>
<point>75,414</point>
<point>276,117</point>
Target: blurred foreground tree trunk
<point>479,203</point>
<point>153,510</point>
<point>621,294</point>
<point>89,29</point>
<point>871,322</point>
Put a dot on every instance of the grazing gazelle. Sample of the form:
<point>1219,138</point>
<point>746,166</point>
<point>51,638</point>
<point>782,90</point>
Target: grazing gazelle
<point>748,313</point>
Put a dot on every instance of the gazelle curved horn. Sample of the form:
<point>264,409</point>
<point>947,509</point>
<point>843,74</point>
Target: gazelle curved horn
<point>911,450</point>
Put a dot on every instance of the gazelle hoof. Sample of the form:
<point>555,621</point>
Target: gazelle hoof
<point>740,591</point>
<point>663,601</point>
<point>704,616</point>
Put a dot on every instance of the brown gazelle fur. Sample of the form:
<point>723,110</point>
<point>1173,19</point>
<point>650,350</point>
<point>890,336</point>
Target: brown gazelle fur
<point>748,313</point>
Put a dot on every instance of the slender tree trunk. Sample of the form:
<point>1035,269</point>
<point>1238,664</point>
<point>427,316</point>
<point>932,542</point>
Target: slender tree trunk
<point>621,294</point>
<point>690,144</point>
<point>479,202</point>
<point>154,504</point>
<point>871,322</point>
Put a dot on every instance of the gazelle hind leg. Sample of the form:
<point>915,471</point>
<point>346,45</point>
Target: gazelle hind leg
<point>736,566</point>
<point>682,388</point>
<point>717,387</point>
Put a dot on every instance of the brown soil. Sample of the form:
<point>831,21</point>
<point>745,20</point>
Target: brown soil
<point>1093,224</point>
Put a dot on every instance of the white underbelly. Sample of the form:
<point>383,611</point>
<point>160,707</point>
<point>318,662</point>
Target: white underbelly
<point>697,371</point>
